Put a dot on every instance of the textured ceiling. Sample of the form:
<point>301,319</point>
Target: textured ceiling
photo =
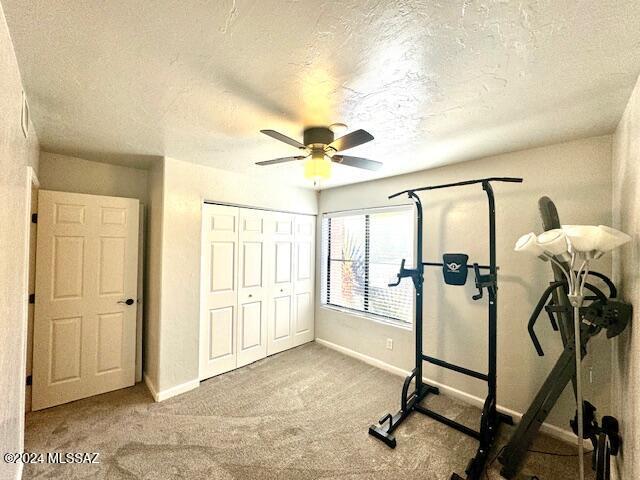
<point>434,81</point>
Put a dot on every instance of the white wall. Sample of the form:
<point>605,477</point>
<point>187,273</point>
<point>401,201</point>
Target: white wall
<point>186,186</point>
<point>576,175</point>
<point>16,153</point>
<point>626,352</point>
<point>71,174</point>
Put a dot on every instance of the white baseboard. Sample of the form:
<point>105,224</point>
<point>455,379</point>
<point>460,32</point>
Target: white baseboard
<point>551,430</point>
<point>365,358</point>
<point>161,395</point>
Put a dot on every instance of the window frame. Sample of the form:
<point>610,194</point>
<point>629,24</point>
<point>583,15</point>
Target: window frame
<point>326,269</point>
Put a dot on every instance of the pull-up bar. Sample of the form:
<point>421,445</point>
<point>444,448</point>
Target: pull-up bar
<point>460,184</point>
<point>455,266</point>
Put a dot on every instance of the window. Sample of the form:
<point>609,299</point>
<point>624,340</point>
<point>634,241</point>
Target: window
<point>361,254</point>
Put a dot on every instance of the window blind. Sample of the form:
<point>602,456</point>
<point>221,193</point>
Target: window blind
<point>361,253</point>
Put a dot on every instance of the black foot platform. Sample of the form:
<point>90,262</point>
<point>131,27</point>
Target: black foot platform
<point>388,423</point>
<point>489,424</point>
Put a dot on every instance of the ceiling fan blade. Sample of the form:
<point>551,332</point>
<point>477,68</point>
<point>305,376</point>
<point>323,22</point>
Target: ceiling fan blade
<point>357,162</point>
<point>283,138</point>
<point>351,140</point>
<point>280,160</point>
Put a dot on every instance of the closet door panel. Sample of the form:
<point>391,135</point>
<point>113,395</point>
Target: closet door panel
<point>252,292</point>
<point>304,275</point>
<point>221,333</point>
<point>251,321</point>
<point>283,262</point>
<point>304,313</point>
<point>281,270</point>
<point>218,323</point>
<point>252,264</point>
<point>282,317</point>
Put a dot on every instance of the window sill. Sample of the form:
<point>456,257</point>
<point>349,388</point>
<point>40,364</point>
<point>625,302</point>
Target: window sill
<point>370,316</point>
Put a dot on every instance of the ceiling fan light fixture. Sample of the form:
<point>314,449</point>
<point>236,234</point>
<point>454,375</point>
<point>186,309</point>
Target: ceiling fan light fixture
<point>317,167</point>
<point>338,128</point>
<point>320,143</point>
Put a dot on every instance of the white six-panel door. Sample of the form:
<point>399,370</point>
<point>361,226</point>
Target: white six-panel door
<point>257,285</point>
<point>219,290</point>
<point>86,269</point>
<point>252,294</point>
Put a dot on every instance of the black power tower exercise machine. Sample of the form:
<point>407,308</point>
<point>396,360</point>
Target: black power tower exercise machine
<point>601,312</point>
<point>455,269</point>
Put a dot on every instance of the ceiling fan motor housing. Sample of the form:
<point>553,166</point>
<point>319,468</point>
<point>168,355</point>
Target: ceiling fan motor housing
<point>319,136</point>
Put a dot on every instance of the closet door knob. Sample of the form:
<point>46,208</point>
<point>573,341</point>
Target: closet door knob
<point>250,295</point>
<point>128,301</point>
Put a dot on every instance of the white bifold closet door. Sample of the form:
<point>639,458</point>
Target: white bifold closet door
<point>257,285</point>
<point>280,331</point>
<point>252,292</point>
<point>219,290</point>
<point>304,276</point>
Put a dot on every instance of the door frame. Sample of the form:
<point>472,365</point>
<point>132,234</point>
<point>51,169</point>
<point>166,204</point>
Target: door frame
<point>31,182</point>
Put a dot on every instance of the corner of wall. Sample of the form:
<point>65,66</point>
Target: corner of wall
<point>17,153</point>
<point>625,383</point>
<point>153,294</point>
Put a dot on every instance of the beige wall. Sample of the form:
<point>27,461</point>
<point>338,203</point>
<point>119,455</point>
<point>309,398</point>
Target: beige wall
<point>626,351</point>
<point>153,290</point>
<point>16,153</point>
<point>576,175</point>
<point>71,174</point>
<point>186,186</point>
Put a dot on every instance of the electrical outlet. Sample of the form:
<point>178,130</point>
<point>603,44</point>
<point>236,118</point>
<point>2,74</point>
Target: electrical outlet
<point>389,343</point>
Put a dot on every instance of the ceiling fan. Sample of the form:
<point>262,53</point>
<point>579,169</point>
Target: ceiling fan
<point>319,144</point>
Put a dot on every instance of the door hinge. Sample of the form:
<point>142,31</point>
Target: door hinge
<point>34,218</point>
<point>28,379</point>
<point>32,298</point>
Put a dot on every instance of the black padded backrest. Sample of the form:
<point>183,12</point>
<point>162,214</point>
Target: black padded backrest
<point>454,268</point>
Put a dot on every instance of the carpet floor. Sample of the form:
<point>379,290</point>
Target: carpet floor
<point>302,414</point>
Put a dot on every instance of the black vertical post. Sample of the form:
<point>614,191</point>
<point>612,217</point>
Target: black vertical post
<point>493,292</point>
<point>418,283</point>
<point>329,260</point>
<point>367,250</point>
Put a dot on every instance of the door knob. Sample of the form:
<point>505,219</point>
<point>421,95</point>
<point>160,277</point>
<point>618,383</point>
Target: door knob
<point>250,295</point>
<point>128,301</point>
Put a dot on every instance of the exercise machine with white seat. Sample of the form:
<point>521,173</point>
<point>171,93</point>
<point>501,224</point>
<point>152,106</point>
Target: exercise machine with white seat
<point>455,269</point>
